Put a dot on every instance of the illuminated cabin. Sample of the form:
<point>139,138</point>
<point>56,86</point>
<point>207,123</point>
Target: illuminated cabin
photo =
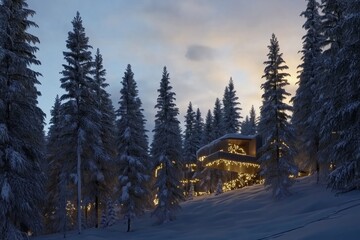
<point>232,152</point>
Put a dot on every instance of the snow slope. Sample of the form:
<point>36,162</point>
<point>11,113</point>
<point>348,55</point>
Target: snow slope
<point>312,212</point>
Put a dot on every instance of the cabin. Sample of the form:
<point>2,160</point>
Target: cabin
<point>232,152</point>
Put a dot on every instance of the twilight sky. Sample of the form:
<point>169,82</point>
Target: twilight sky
<point>202,42</point>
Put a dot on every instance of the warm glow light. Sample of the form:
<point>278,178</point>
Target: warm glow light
<point>190,180</point>
<point>232,163</point>
<point>236,149</point>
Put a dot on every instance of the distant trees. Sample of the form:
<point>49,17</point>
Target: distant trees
<point>190,143</point>
<point>166,153</point>
<point>132,144</point>
<point>249,126</point>
<point>231,109</point>
<point>21,125</point>
<point>276,154</point>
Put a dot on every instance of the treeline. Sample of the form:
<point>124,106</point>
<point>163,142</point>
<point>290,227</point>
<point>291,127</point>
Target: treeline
<point>97,159</point>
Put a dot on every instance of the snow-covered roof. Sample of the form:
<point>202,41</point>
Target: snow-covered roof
<point>226,136</point>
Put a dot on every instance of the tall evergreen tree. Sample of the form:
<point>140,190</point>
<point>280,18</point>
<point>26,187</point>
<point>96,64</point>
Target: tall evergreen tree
<point>218,129</point>
<point>198,129</point>
<point>276,155</point>
<point>189,145</point>
<point>207,179</point>
<point>101,180</point>
<point>326,103</point>
<point>207,132</point>
<point>132,145</point>
<point>304,118</point>
<point>346,101</point>
<point>198,137</point>
<point>21,124</point>
<point>231,117</point>
<point>57,193</point>
<point>166,153</point>
<point>81,132</point>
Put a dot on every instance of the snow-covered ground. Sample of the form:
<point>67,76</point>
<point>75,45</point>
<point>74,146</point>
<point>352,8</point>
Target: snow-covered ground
<point>312,212</point>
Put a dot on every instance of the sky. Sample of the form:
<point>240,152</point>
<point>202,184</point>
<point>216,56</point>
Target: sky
<point>203,43</point>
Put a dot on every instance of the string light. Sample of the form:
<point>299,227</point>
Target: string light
<point>236,149</point>
<point>229,164</point>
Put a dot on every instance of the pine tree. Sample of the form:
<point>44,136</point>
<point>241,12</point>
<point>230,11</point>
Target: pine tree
<point>207,175</point>
<point>109,216</point>
<point>276,155</point>
<point>207,133</point>
<point>249,126</point>
<point>253,124</point>
<point>21,125</point>
<point>245,126</point>
<point>166,153</point>
<point>102,174</point>
<point>57,192</point>
<point>219,187</point>
<point>346,101</point>
<point>231,117</point>
<point>81,132</point>
<point>304,118</point>
<point>198,136</point>
<point>218,129</point>
<point>132,145</point>
<point>191,192</point>
<point>189,145</point>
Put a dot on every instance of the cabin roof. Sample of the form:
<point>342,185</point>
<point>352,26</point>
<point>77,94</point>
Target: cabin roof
<point>209,146</point>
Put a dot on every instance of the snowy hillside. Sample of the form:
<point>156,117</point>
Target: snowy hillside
<point>312,212</point>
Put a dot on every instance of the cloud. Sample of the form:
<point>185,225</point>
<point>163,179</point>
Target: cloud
<point>199,53</point>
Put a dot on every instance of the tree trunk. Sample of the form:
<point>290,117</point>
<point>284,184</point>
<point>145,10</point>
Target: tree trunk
<point>96,211</point>
<point>79,186</point>
<point>128,229</point>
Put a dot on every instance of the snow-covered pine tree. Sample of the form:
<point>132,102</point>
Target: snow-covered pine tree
<point>21,125</point>
<point>81,129</point>
<point>207,132</point>
<point>249,126</point>
<point>58,177</point>
<point>253,123</point>
<point>206,175</point>
<point>218,129</point>
<point>109,216</point>
<point>132,146</point>
<point>346,118</point>
<point>231,114</point>
<point>304,119</point>
<point>166,153</point>
<point>276,155</point>
<point>102,177</point>
<point>198,134</point>
<point>245,126</point>
<point>189,145</point>
<point>191,192</point>
<point>324,106</point>
<point>219,188</point>
<point>206,137</point>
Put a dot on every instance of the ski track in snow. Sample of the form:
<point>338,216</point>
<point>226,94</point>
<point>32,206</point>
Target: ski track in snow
<point>330,216</point>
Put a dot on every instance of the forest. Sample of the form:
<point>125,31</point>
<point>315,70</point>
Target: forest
<point>96,164</point>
